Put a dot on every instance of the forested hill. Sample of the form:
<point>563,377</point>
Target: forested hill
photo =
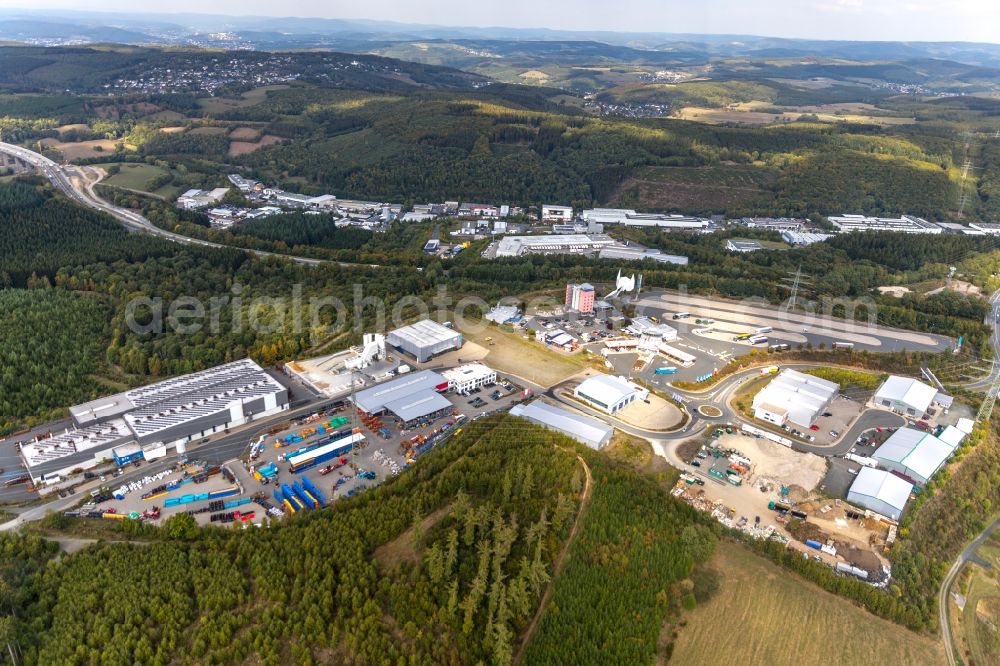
<point>442,565</point>
<point>94,69</point>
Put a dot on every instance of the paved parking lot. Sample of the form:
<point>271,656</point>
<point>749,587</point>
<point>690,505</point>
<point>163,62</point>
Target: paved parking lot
<point>382,452</point>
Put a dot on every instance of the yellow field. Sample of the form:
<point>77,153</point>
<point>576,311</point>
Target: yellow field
<point>249,98</point>
<point>750,115</point>
<point>528,359</point>
<point>82,149</point>
<point>765,615</point>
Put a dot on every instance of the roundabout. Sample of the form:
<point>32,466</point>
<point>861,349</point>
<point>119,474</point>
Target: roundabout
<point>709,412</point>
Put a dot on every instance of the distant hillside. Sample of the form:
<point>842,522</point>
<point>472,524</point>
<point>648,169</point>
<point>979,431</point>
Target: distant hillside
<point>93,69</point>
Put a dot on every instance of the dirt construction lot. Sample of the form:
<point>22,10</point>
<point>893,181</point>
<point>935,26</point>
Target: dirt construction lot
<point>777,463</point>
<point>765,615</point>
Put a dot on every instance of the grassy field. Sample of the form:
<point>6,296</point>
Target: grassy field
<point>134,176</point>
<point>764,615</point>
<point>849,379</point>
<point>975,625</point>
<point>764,113</point>
<point>981,607</point>
<point>249,98</point>
<point>697,188</point>
<point>527,358</point>
<point>82,149</point>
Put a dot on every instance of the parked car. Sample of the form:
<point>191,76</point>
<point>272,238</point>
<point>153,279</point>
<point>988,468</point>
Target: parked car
<point>834,434</point>
<point>814,427</point>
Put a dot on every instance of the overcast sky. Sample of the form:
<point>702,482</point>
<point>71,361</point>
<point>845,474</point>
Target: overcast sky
<point>924,20</point>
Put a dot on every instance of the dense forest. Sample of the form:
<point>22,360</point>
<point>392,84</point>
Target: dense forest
<point>77,271</point>
<point>444,564</point>
<point>51,345</point>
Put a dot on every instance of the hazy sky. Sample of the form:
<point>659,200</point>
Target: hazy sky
<point>925,20</point>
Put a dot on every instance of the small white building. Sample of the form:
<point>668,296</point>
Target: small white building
<point>907,396</point>
<point>880,491</point>
<point>608,393</point>
<point>470,376</point>
<point>794,397</point>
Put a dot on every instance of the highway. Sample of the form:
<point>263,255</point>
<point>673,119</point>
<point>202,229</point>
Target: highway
<point>77,183</point>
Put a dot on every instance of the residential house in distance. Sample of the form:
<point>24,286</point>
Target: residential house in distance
<point>551,213</point>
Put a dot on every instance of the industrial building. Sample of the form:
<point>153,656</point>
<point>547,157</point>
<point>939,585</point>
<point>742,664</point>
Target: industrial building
<point>634,253</point>
<point>470,376</point>
<point>734,245</point>
<point>803,238</point>
<point>773,223</point>
<point>589,432</point>
<point>880,491</point>
<point>411,398</point>
<point>194,199</point>
<point>516,246</point>
<point>425,339</point>
<point>501,314</point>
<point>552,213</point>
<point>165,415</point>
<point>608,393</point>
<point>915,454</point>
<point>794,397</point>
<point>909,224</point>
<point>580,297</point>
<point>908,396</point>
<point>644,327</point>
<point>629,218</point>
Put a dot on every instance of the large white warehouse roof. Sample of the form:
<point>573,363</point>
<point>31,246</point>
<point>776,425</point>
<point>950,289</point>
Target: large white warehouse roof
<point>908,392</point>
<point>802,396</point>
<point>588,431</point>
<point>607,389</point>
<point>882,487</point>
<point>915,453</point>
